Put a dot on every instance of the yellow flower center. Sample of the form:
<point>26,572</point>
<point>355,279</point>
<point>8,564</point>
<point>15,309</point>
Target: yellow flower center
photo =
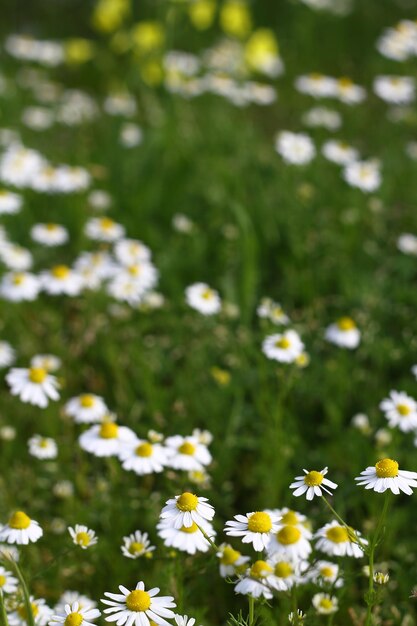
<point>2,580</point>
<point>73,619</point>
<point>106,223</point>
<point>290,518</point>
<point>136,547</point>
<point>51,227</point>
<point>403,409</point>
<point>87,401</point>
<point>144,449</point>
<point>259,522</point>
<point>61,272</point>
<point>346,323</point>
<point>138,600</point>
<point>283,570</point>
<point>207,294</point>
<point>288,535</point>
<point>108,430</point>
<point>18,279</point>
<point>134,270</point>
<point>387,468</point>
<point>229,556</point>
<point>326,603</point>
<point>83,538</point>
<point>283,343</point>
<point>326,572</point>
<point>187,502</point>
<point>345,82</point>
<point>189,529</point>
<point>19,521</point>
<point>23,613</point>
<point>260,569</point>
<point>337,534</point>
<point>187,448</point>
<point>313,478</point>
<point>37,374</point>
<point>43,443</point>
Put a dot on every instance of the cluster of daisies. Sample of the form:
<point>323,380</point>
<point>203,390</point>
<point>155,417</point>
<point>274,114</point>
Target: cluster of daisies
<point>282,540</point>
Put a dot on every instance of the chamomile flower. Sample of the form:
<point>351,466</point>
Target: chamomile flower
<point>286,573</point>
<point>400,411</point>
<point>49,234</point>
<point>187,453</point>
<point>316,85</point>
<point>136,545</point>
<point>344,333</point>
<point>255,528</point>
<point>61,279</point>
<point>285,347</point>
<point>386,475</point>
<point>395,89</point>
<point>7,354</point>
<point>69,597</point>
<point>48,362</point>
<point>142,457</point>
<point>131,251</point>
<point>86,408</point>
<point>312,484</point>
<point>325,604</point>
<point>19,286</point>
<point>33,385</point>
<point>288,517</point>
<point>83,536</point>
<point>203,299</point>
<point>339,152</point>
<point>104,229</point>
<point>336,540</point>
<point>41,612</point>
<point>326,573</point>
<point>20,529</point>
<point>106,439</point>
<point>349,93</point>
<point>230,560</point>
<point>295,148</point>
<point>8,583</point>
<point>188,539</point>
<point>74,615</point>
<point>43,447</point>
<point>255,582</point>
<point>184,620</point>
<point>365,175</point>
<point>10,203</point>
<point>289,543</point>
<point>138,607</point>
<point>186,509</point>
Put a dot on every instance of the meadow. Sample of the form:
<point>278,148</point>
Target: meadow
<point>208,242</point>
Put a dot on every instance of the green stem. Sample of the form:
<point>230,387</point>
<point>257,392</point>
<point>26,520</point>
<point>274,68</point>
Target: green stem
<point>251,610</point>
<point>370,599</point>
<point>209,539</point>
<point>294,604</point>
<point>26,597</point>
<point>352,535</point>
<point>3,615</point>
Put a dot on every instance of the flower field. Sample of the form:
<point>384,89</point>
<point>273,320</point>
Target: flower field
<point>208,346</point>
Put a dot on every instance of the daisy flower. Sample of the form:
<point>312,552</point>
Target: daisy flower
<point>400,411</point>
<point>83,536</point>
<point>188,539</point>
<point>203,299</point>
<point>325,572</point>
<point>395,89</point>
<point>295,148</point>
<point>344,333</point>
<point>187,453</point>
<point>20,529</point>
<point>386,475</point>
<point>41,612</point>
<point>61,279</point>
<point>186,509</point>
<point>289,543</point>
<point>285,574</point>
<point>255,582</point>
<point>184,620</point>
<point>86,408</point>
<point>49,234</point>
<point>255,528</point>
<point>285,347</point>
<point>336,540</point>
<point>10,203</point>
<point>131,251</point>
<point>231,560</point>
<point>19,286</point>
<point>70,597</point>
<point>137,544</point>
<point>74,615</point>
<point>42,447</point>
<point>348,92</point>
<point>7,354</point>
<point>142,457</point>
<point>325,604</point>
<point>106,439</point>
<point>48,362</point>
<point>8,583</point>
<point>339,152</point>
<point>365,175</point>
<point>33,385</point>
<point>288,517</point>
<point>312,484</point>
<point>103,229</point>
<point>138,607</point>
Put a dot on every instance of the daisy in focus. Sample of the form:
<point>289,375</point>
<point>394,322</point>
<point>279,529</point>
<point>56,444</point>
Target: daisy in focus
<point>289,543</point>
<point>74,615</point>
<point>186,509</point>
<point>344,333</point>
<point>33,385</point>
<point>83,536</point>
<point>203,299</point>
<point>20,529</point>
<point>312,484</point>
<point>386,475</point>
<point>136,545</point>
<point>336,540</point>
<point>138,607</point>
<point>142,457</point>
<point>255,528</point>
